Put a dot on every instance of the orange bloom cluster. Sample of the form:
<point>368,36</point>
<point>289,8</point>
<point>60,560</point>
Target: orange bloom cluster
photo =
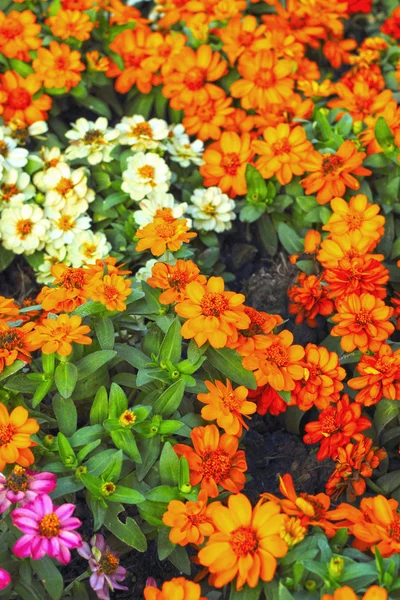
<point>19,33</point>
<point>176,588</point>
<point>173,279</point>
<point>58,66</point>
<point>308,299</point>
<point>346,593</point>
<point>164,233</point>
<point>15,431</point>
<point>190,522</point>
<point>56,335</point>
<point>18,98</point>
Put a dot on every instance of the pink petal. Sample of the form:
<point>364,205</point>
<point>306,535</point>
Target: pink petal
<point>5,578</point>
<point>64,511</point>
<point>70,539</point>
<point>38,547</point>
<point>85,551</point>
<point>71,523</point>
<point>65,555</point>
<point>96,581</point>
<point>43,505</point>
<point>54,547</point>
<point>22,547</point>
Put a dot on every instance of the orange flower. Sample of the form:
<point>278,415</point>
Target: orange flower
<point>322,379</point>
<point>18,98</point>
<point>311,510</point>
<point>336,50</point>
<point>15,431</point>
<point>363,322</point>
<point>163,234</point>
<point>260,324</point>
<point>312,241</point>
<point>282,152</point>
<point>174,279</point>
<point>112,291</point>
<point>361,101</point>
<point>58,66</point>
<point>246,544</point>
<point>353,463</point>
<point>347,246</point>
<point>239,121</point>
<point>380,376</point>
<point>70,23</point>
<point>391,114</point>
<point>265,79</point>
<point>214,461</point>
<point>190,522</point>
<point>313,89</point>
<point>70,292</point>
<point>356,215</point>
<point>269,401</point>
<point>227,406</point>
<point>122,14</point>
<point>56,335</point>
<point>212,314</point>
<point>205,120</point>
<point>242,34</point>
<point>290,112</point>
<point>13,344</point>
<point>97,62</point>
<point>19,33</point>
<point>331,174</point>
<point>346,593</point>
<point>8,309</point>
<point>80,5</point>
<point>176,588</point>
<point>336,426</point>
<point>225,163</point>
<point>357,275</point>
<point>276,361</point>
<point>105,266</point>
<point>191,77</point>
<point>308,299</point>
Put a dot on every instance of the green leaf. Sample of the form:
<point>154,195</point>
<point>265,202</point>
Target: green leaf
<point>125,441</point>
<point>386,139</point>
<point>389,482</point>
<point>170,399</point>
<point>268,234</point>
<point>179,558</point>
<point>99,409</point>
<point>152,297</point>
<point>104,329</point>
<point>6,258</point>
<point>21,67</point>
<point>66,485</point>
<point>257,190</point>
<point>113,470</point>
<point>245,593</point>
<point>171,346</point>
<point>16,366</point>
<point>118,401</point>
<point>96,105</point>
<point>89,308</point>
<point>49,575</point>
<point>251,212</point>
<point>163,493</point>
<point>386,242</point>
<point>229,363</point>
<point>66,414</point>
<point>164,545</point>
<point>66,451</point>
<point>132,355</point>
<point>115,199</point>
<point>169,465</point>
<point>92,483</point>
<point>128,532</point>
<point>65,377</point>
<point>91,363</point>
<point>386,411</point>
<point>126,496</point>
<point>149,451</point>
<point>86,435</point>
<point>289,239</point>
<point>41,391</point>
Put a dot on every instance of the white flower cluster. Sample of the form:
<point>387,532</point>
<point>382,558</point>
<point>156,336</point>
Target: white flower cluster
<point>50,211</point>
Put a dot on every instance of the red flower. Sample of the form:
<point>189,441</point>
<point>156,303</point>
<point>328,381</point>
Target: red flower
<point>356,6</point>
<point>268,401</point>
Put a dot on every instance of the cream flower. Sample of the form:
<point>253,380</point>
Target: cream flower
<point>140,134</point>
<point>155,201</point>
<point>11,156</point>
<point>182,150</point>
<point>23,228</point>
<point>145,173</point>
<point>49,158</point>
<point>66,187</point>
<point>65,226</point>
<point>144,273</point>
<point>211,210</point>
<point>88,247</point>
<point>15,188</point>
<point>52,256</point>
<point>93,140</point>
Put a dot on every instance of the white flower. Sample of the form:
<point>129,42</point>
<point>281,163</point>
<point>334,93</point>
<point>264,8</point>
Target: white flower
<point>140,134</point>
<point>15,188</point>
<point>182,150</point>
<point>11,156</point>
<point>145,173</point>
<point>91,140</point>
<point>66,187</point>
<point>88,247</point>
<point>65,226</point>
<point>157,201</point>
<point>49,158</point>
<point>23,228</point>
<point>144,273</point>
<point>211,210</point>
<point>52,257</point>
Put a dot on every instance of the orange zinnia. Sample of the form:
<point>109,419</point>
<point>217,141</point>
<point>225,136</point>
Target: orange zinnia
<point>225,163</point>
<point>322,380</point>
<point>276,361</point>
<point>191,76</point>
<point>361,101</point>
<point>332,174</point>
<point>112,291</point>
<point>13,345</point>
<point>246,544</point>
<point>19,33</point>
<point>308,299</point>
<point>227,406</point>
<point>214,461</point>
<point>212,314</point>
<point>265,79</point>
<point>71,23</point>
<point>290,112</point>
<point>173,279</point>
<point>363,322</point>
<point>58,66</point>
<point>312,241</point>
<point>205,120</point>
<point>336,426</point>
<point>356,215</point>
<point>56,335</point>
<point>260,324</point>
<point>380,376</point>
<point>97,62</point>
<point>347,246</point>
<point>269,401</point>
<point>357,275</point>
<point>70,292</point>
<point>311,510</point>
<point>8,309</point>
<point>346,593</point>
<point>15,431</point>
<point>176,588</point>
<point>241,34</point>
<point>190,522</point>
<point>18,98</point>
<point>282,152</point>
<point>163,234</point>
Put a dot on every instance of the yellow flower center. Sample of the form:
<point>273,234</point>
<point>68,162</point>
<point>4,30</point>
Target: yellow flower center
<point>216,464</point>
<point>278,354</point>
<point>165,230</point>
<point>3,149</point>
<point>64,186</point>
<point>363,317</point>
<point>282,147</point>
<point>66,223</point>
<point>264,79</point>
<point>10,339</point>
<point>393,528</point>
<point>24,228</point>
<point>18,480</point>
<point>178,280</point>
<point>94,136</point>
<point>108,563</point>
<point>231,163</point>
<point>11,28</point>
<point>128,418</point>
<point>244,541</point>
<point>232,402</point>
<point>89,250</point>
<point>147,172</point>
<point>328,423</point>
<point>6,434</point>
<point>8,191</point>
<point>49,525</point>
<point>194,79</point>
<point>354,219</point>
<point>143,130</point>
<point>213,304</point>
<point>330,163</point>
<point>210,209</point>
<point>73,278</point>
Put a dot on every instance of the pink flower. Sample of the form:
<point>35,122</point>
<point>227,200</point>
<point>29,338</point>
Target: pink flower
<point>105,567</point>
<point>48,530</point>
<point>5,579</point>
<point>23,485</point>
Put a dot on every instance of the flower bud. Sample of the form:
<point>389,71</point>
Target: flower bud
<point>48,441</point>
<point>80,471</point>
<point>336,567</point>
<point>108,488</point>
<point>310,585</point>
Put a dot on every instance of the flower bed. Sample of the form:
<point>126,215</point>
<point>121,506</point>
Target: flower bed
<point>153,158</point>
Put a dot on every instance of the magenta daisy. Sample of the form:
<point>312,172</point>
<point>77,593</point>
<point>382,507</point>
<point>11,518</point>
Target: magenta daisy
<point>47,529</point>
<point>23,485</point>
<point>105,567</point>
<point>5,578</point>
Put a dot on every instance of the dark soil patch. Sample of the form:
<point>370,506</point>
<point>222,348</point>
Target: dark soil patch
<point>18,281</point>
